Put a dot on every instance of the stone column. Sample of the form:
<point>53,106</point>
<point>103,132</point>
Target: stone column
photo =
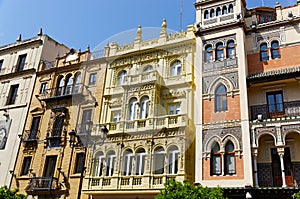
<point>281,154</point>
<point>222,163</point>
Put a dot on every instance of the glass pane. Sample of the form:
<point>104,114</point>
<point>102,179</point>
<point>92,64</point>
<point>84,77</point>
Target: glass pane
<point>216,164</point>
<point>159,163</point>
<point>279,102</point>
<point>229,159</point>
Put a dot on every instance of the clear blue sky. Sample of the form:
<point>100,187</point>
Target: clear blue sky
<point>80,23</point>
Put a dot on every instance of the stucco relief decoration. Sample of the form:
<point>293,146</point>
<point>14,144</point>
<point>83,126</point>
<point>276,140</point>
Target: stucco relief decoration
<point>4,131</point>
<point>268,130</point>
<point>158,120</point>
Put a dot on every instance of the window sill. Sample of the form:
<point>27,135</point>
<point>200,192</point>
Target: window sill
<point>12,106</point>
<point>25,177</point>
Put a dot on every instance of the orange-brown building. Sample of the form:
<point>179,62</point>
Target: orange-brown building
<point>65,100</point>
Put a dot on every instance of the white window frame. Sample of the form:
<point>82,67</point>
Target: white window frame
<point>173,154</point>
<point>127,163</point>
<point>116,116</point>
<point>144,108</point>
<point>140,163</point>
<point>133,106</point>
<point>174,68</point>
<point>110,164</point>
<point>101,161</point>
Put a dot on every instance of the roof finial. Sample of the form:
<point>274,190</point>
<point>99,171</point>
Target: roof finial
<point>19,37</point>
<point>163,32</point>
<point>138,37</point>
<point>40,33</point>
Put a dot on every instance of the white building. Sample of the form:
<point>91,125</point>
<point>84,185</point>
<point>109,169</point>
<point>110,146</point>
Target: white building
<point>19,62</point>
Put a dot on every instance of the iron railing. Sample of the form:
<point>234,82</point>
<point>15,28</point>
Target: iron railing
<point>267,111</point>
<point>43,184</point>
<point>62,91</point>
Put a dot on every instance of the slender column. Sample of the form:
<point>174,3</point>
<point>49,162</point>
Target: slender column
<point>222,163</point>
<point>281,154</point>
<point>255,169</point>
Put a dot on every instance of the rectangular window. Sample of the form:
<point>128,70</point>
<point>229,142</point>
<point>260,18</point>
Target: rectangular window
<point>275,103</point>
<point>116,116</point>
<point>92,79</point>
<point>12,94</point>
<point>174,109</point>
<point>173,162</point>
<point>26,166</point>
<point>85,120</point>
<point>43,88</point>
<point>79,164</point>
<point>50,164</point>
<point>21,62</point>
<point>34,127</point>
<point>1,64</point>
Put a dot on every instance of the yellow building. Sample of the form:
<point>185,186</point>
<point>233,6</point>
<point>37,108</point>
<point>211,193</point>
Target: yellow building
<point>147,108</point>
<point>65,99</point>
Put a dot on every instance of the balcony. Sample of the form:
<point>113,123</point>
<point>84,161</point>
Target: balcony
<point>167,121</point>
<point>265,111</point>
<point>152,77</point>
<point>42,184</point>
<point>62,92</point>
<point>131,182</point>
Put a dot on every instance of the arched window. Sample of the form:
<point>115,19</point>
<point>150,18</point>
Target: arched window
<point>208,53</point>
<point>69,84</point>
<point>173,160</point>
<point>206,14</point>
<point>275,50</point>
<point>77,82</point>
<point>229,158</point>
<point>230,49</point>
<point>176,68</point>
<point>99,164</point>
<point>132,109</point>
<point>127,162</point>
<point>144,107</point>
<point>110,163</point>
<point>148,69</point>
<point>219,52</point>
<point>224,10</point>
<point>264,52</point>
<point>140,161</point>
<point>159,160</point>
<point>212,13</point>
<point>221,99</point>
<point>121,77</point>
<point>218,12</point>
<point>215,161</point>
<point>230,8</point>
<point>60,86</point>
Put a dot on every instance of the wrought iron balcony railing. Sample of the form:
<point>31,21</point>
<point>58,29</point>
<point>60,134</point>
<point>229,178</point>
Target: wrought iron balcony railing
<point>267,111</point>
<point>62,92</point>
<point>30,135</point>
<point>43,184</point>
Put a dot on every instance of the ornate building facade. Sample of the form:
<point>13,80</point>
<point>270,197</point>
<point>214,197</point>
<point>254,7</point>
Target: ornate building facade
<point>66,98</point>
<point>147,108</point>
<point>247,119</point>
<point>19,63</point>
